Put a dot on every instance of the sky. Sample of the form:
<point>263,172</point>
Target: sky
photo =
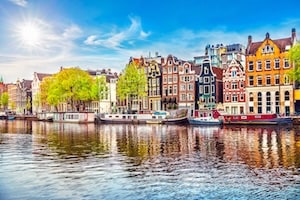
<point>44,35</point>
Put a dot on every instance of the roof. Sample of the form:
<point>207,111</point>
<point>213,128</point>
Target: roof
<point>219,72</point>
<point>41,76</point>
<point>281,43</point>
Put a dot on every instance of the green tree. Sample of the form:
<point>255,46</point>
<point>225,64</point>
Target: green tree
<point>72,85</point>
<point>132,83</point>
<point>294,57</point>
<point>4,100</point>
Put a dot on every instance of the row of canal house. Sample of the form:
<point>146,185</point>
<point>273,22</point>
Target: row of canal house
<point>234,78</point>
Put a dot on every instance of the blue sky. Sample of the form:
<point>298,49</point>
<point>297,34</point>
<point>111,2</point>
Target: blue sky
<point>42,35</point>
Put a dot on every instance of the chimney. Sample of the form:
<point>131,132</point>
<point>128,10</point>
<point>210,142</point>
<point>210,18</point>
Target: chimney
<point>249,40</point>
<point>293,35</point>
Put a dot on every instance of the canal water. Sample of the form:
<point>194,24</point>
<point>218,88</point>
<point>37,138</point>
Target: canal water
<point>42,160</point>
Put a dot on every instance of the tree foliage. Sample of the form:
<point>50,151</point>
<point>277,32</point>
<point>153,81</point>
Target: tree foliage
<point>4,100</point>
<point>71,85</point>
<point>294,57</point>
<point>132,82</point>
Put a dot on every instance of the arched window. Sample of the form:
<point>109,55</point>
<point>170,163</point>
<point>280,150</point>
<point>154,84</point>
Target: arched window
<point>277,102</point>
<point>268,102</point>
<point>286,96</point>
<point>259,102</point>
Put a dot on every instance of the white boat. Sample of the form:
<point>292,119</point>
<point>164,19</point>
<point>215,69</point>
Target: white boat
<point>74,117</point>
<point>157,117</point>
<point>205,121</point>
<point>142,118</point>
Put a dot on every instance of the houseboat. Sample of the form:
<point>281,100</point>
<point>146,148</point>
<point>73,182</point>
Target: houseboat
<point>259,119</point>
<point>157,117</point>
<point>73,117</point>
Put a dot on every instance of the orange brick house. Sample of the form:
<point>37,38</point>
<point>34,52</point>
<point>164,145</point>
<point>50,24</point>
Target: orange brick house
<point>268,87</point>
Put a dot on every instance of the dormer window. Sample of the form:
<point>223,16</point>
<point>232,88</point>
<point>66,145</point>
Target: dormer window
<point>268,49</point>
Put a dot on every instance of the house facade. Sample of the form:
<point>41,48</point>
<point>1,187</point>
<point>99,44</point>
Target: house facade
<point>36,91</point>
<point>186,89</point>
<point>170,83</point>
<point>268,87</point>
<point>210,86</point>
<point>234,95</point>
<point>24,97</point>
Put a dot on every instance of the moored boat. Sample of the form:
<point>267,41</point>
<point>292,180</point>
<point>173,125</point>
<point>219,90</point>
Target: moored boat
<point>73,117</point>
<point>259,119</point>
<point>157,117</point>
<point>205,121</point>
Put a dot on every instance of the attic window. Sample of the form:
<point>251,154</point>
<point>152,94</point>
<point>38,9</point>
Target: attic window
<point>268,49</point>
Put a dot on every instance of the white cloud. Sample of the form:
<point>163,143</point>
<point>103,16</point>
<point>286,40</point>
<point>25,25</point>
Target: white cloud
<point>115,40</point>
<point>22,3</point>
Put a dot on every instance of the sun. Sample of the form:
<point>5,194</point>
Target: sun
<point>29,34</point>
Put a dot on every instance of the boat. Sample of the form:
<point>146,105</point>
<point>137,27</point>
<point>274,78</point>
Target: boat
<point>156,117</point>
<point>205,121</point>
<point>73,117</point>
<point>256,119</point>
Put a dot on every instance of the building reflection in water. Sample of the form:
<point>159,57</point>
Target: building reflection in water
<point>258,147</point>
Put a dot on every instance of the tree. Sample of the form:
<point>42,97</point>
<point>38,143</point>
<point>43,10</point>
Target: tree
<point>294,57</point>
<point>132,83</point>
<point>72,85</point>
<point>4,98</point>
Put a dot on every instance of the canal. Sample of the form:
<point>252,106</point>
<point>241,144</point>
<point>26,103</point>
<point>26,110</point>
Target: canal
<point>42,160</point>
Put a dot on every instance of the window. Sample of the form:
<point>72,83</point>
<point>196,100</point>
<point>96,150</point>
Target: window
<point>268,49</point>
<point>259,102</point>
<point>206,79</point>
<point>164,70</point>
<point>227,85</point>
<point>212,79</point>
<point>170,69</point>
<point>277,109</point>
<point>268,102</point>
<point>206,89</point>
<point>259,80</point>
<point>242,84</point>
<point>227,97</point>
<point>234,85</point>
<point>286,79</point>
<point>170,89</point>
<point>268,65</point>
<point>251,109</point>
<point>286,96</point>
<point>250,65</point>
<point>182,87</point>
<point>234,98</point>
<point>242,97</point>
<point>233,74</point>
<point>170,79</point>
<point>286,63</point>
<point>205,70</point>
<point>201,89</point>
<point>175,89</point>
<point>259,66</point>
<point>175,79</point>
<point>175,69</point>
<point>277,64</point>
<point>251,98</point>
<point>212,89</point>
<point>251,81</point>
<point>277,79</point>
<point>268,80</point>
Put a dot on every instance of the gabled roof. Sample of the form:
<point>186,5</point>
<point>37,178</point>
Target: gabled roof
<point>281,43</point>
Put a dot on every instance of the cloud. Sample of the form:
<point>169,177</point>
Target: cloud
<point>116,39</point>
<point>22,3</point>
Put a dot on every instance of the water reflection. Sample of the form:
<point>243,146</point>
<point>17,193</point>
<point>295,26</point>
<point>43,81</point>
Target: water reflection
<point>149,161</point>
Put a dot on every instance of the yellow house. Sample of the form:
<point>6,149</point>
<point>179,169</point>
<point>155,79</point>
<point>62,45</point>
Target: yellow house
<point>268,87</point>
